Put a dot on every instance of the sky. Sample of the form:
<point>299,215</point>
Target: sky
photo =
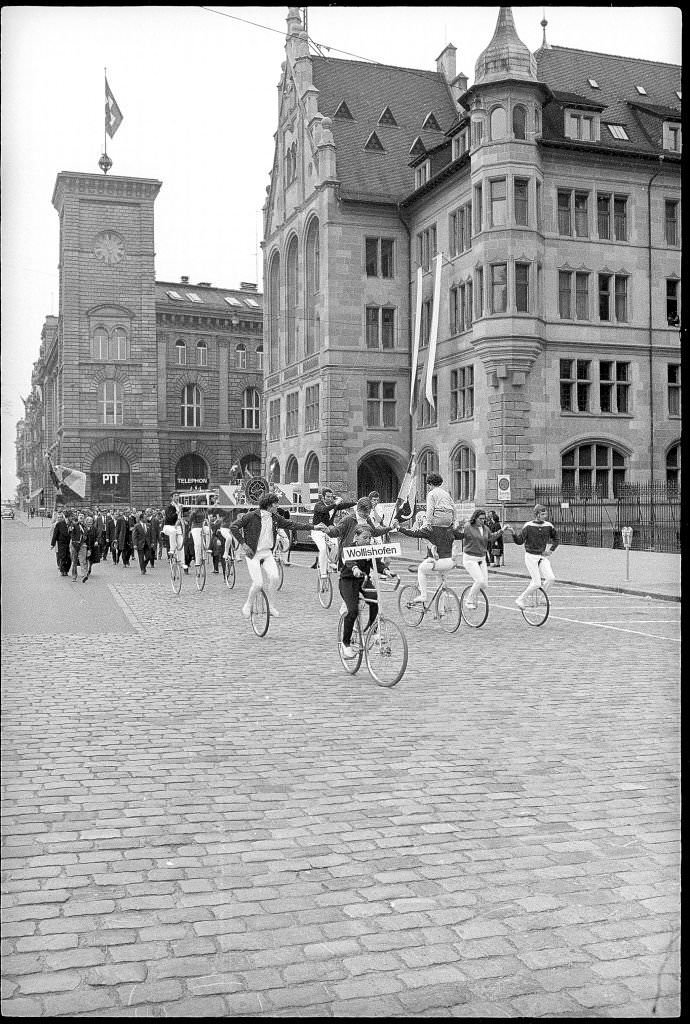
<point>197,87</point>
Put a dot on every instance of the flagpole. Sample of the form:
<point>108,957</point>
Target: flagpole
<point>105,134</point>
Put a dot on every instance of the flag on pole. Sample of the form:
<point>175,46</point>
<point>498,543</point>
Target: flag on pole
<point>407,495</point>
<point>415,349</point>
<point>64,477</point>
<point>433,333</point>
<point>113,114</point>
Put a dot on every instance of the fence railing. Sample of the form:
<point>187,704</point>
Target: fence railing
<point>590,520</point>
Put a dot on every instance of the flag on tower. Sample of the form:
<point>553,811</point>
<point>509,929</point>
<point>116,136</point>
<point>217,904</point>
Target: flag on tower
<point>113,114</point>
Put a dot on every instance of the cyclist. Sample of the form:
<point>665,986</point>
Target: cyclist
<point>477,539</point>
<point>439,553</point>
<point>324,513</point>
<point>170,518</point>
<point>196,523</point>
<point>541,540</point>
<point>256,532</point>
<point>352,577</point>
<point>440,510</point>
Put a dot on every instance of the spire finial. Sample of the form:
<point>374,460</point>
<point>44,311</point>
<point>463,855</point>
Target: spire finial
<point>543,24</point>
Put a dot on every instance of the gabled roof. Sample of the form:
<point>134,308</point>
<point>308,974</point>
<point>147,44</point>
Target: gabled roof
<point>209,299</point>
<point>368,89</point>
<point>567,72</point>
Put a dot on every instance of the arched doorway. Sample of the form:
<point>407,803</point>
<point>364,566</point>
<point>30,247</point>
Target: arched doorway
<point>311,468</point>
<point>377,473</point>
<point>110,480</point>
<point>191,473</point>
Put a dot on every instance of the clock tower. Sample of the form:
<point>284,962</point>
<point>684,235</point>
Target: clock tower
<point>108,373</point>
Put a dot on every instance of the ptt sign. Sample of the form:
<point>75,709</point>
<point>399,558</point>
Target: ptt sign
<point>110,478</point>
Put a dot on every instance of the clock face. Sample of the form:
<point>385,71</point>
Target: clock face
<point>109,247</point>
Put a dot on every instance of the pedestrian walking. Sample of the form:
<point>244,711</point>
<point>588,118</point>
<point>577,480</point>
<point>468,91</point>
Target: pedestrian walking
<point>78,547</point>
<point>61,539</point>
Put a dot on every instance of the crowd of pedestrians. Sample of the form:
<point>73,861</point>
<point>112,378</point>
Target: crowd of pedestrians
<point>85,537</point>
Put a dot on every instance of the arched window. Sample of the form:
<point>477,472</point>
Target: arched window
<point>251,406</point>
<point>109,479</point>
<point>498,124</point>
<point>673,468</point>
<point>274,314</point>
<point>241,357</point>
<point>593,468</point>
<point>274,471</point>
<point>100,343</point>
<point>311,469</point>
<point>464,474</point>
<point>291,470</point>
<point>428,463</point>
<point>260,357</point>
<point>118,343</point>
<point>292,292</point>
<point>252,463</point>
<point>110,402</point>
<point>191,473</point>
<point>519,122</point>
<point>190,407</point>
<point>313,285</point>
<point>202,354</point>
<point>180,353</point>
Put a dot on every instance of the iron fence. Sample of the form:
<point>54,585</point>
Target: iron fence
<point>590,520</point>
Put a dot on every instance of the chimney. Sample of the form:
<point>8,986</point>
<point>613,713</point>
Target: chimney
<point>204,284</point>
<point>458,86</point>
<point>445,63</point>
<point>184,280</point>
<point>247,286</point>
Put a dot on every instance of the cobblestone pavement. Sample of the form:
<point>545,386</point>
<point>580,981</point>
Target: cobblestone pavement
<point>199,823</point>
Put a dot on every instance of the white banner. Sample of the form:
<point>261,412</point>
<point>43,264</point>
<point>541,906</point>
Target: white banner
<point>372,551</point>
<point>433,334</point>
<point>415,348</point>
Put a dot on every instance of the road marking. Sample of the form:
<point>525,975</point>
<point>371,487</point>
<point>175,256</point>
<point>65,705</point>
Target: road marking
<point>129,615</point>
<point>601,625</point>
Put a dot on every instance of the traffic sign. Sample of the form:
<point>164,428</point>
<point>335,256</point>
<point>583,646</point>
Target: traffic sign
<point>503,487</point>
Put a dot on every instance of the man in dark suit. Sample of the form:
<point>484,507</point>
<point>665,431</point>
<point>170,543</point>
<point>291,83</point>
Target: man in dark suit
<point>62,539</point>
<point>109,534</point>
<point>122,539</point>
<point>153,534</point>
<point>140,541</point>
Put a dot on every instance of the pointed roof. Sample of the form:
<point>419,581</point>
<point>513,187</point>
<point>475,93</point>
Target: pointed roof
<point>506,56</point>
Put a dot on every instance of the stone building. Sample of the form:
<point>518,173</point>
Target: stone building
<point>551,189</point>
<point>146,386</point>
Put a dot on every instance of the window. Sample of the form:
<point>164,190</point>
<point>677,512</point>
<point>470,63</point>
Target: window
<point>241,357</point>
<point>175,295</point>
<point>621,298</point>
<point>614,387</point>
<point>672,304</point>
<point>522,287</point>
<point>422,174</point>
<point>292,299</point>
<point>100,343</point>
<point>604,216</point>
<point>380,327</point>
<point>618,131</point>
<point>575,384</point>
<point>673,139</point>
<point>580,126</point>
<point>582,295</point>
<point>202,354</point>
<point>497,192</point>
<point>455,307</point>
<point>468,304</point>
<point>311,408</point>
<point>620,218</point>
<point>672,222</point>
<point>251,406</point>
<point>477,132</point>
<point>464,474</point>
<point>479,292</point>
<point>274,419</point>
<point>260,357</point>
<point>564,216</point>
<point>581,214</point>
<point>381,403</point>
<point>118,344</point>
<point>181,353</point>
<point>388,118</point>
<point>477,209</point>
<point>460,144</point>
<point>313,285</point>
<point>593,83</point>
<point>520,201</point>
<point>673,468</point>
<point>460,229</point>
<point>379,257</point>
<point>593,468</point>
<point>426,247</point>
<point>193,297</point>
<point>425,325</point>
<point>674,378</point>
<point>498,124</point>
<point>190,407</point>
<point>292,414</point>
<point>641,89</point>
<point>462,393</point>
<point>499,290</point>
<point>565,278</point>
<point>110,401</point>
<point>519,122</point>
<point>428,413</point>
<point>291,470</point>
<point>540,215</point>
<point>232,301</point>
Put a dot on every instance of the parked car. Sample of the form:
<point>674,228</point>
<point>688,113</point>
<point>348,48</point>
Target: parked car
<point>7,512</point>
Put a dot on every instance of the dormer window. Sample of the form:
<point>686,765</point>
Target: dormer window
<point>618,131</point>
<point>593,83</point>
<point>460,143</point>
<point>641,89</point>
<point>582,125</point>
<point>422,174</point>
<point>374,144</point>
<point>430,123</point>
<point>673,139</point>
<point>174,295</point>
<point>387,118</point>
<point>344,112</point>
<point>193,297</point>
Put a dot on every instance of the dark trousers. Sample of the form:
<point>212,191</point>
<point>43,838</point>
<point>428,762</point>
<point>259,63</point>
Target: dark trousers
<point>64,559</point>
<point>143,556</point>
<point>350,588</point>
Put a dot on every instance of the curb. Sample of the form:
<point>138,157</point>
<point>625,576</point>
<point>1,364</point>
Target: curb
<point>602,586</point>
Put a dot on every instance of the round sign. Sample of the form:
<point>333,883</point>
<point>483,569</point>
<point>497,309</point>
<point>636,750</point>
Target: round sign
<point>503,483</point>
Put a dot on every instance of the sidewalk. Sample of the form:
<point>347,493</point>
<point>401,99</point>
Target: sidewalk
<point>652,573</point>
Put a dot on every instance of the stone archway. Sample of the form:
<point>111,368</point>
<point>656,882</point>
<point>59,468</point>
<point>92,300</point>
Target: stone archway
<point>377,472</point>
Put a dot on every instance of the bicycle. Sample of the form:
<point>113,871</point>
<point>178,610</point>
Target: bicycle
<point>536,612</point>
<point>200,574</point>
<point>324,584</point>
<point>475,614</point>
<point>382,645</point>
<point>174,560</point>
<point>282,546</point>
<point>230,564</point>
<point>260,613</point>
<point>444,600</point>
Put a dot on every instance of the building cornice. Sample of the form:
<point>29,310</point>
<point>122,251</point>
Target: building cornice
<point>103,186</point>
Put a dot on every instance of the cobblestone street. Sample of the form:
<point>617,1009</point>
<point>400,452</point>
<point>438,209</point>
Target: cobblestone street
<point>198,822</point>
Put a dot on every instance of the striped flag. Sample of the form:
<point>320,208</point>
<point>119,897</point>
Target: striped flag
<point>407,495</point>
<point>113,114</point>
<point>433,333</point>
<point>64,477</point>
<point>415,347</point>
